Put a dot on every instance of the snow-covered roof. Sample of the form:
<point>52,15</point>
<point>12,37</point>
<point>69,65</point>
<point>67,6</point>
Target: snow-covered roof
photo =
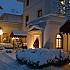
<point>46,18</point>
<point>17,33</point>
<point>37,27</point>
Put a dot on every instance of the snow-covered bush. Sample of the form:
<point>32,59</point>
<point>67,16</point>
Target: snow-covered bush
<point>39,56</point>
<point>6,45</point>
<point>57,54</point>
<point>9,51</point>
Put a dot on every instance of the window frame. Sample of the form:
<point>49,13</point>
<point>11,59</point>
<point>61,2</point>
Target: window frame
<point>27,19</point>
<point>27,3</point>
<point>40,13</point>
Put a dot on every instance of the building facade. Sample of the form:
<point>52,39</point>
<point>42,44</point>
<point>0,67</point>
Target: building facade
<point>9,22</point>
<point>39,22</point>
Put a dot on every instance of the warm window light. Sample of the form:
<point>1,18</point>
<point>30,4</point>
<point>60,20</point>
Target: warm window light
<point>62,2</point>
<point>1,32</point>
<point>59,41</point>
<point>15,38</point>
<point>58,36</point>
<point>62,12</point>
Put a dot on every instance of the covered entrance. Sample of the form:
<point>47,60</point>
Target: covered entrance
<point>65,29</point>
<point>35,39</point>
<point>19,38</point>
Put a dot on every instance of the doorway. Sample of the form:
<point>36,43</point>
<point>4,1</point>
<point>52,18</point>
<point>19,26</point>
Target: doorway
<point>36,41</point>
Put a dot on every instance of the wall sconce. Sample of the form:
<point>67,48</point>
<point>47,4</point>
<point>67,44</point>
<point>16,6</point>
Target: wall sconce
<point>1,32</point>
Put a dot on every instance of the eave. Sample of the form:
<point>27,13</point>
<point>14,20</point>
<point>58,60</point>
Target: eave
<point>21,0</point>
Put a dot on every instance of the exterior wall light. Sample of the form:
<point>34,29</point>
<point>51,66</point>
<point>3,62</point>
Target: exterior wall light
<point>1,32</point>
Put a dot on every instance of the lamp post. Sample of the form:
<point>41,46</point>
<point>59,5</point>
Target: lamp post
<point>59,42</point>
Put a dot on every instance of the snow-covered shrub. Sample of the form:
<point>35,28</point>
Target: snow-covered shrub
<point>6,45</point>
<point>56,53</point>
<point>8,51</point>
<point>39,56</point>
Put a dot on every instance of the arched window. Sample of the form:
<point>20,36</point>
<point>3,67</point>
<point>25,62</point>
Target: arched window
<point>59,41</point>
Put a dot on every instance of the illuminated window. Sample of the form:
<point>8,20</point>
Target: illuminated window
<point>59,41</point>
<point>69,2</point>
<point>39,13</point>
<point>62,11</point>
<point>62,2</point>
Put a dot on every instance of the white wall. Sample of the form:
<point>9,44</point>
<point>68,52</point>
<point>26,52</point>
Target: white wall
<point>12,17</point>
<point>32,9</point>
<point>65,40</point>
<point>51,29</point>
<point>30,38</point>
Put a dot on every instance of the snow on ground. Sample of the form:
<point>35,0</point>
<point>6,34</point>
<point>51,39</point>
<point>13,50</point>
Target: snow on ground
<point>8,62</point>
<point>6,45</point>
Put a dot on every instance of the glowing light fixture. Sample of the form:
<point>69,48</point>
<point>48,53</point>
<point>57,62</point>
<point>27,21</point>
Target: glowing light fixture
<point>62,2</point>
<point>1,32</point>
<point>15,38</point>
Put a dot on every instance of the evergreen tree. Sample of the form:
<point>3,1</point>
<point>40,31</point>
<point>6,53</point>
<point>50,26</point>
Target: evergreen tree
<point>36,43</point>
<point>60,7</point>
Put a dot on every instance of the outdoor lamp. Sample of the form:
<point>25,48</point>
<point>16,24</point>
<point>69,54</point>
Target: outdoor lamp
<point>1,32</point>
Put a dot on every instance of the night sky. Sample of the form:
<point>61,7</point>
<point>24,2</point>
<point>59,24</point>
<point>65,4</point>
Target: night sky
<point>11,6</point>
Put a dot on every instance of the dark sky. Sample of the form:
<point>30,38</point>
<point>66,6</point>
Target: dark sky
<point>11,6</point>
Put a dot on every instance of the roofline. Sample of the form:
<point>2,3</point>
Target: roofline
<point>40,28</point>
<point>51,14</point>
<point>10,14</point>
<point>20,0</point>
<point>10,22</point>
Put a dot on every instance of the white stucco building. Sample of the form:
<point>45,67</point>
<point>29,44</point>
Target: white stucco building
<point>40,22</point>
<point>9,22</point>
